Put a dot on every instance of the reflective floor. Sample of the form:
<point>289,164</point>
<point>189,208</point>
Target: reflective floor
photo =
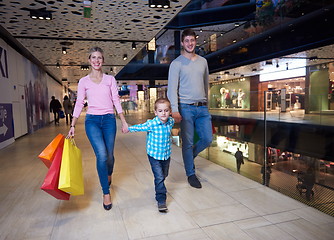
<point>229,206</point>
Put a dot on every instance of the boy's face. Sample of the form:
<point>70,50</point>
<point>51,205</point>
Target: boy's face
<point>162,111</point>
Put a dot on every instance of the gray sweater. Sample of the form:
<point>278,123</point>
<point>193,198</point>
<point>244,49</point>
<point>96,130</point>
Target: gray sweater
<point>187,81</point>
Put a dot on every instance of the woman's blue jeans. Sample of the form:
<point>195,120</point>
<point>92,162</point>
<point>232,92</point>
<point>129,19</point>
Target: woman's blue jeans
<point>194,118</point>
<point>160,170</point>
<point>101,132</point>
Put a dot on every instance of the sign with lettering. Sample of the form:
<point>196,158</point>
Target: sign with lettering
<point>6,122</point>
<point>3,63</point>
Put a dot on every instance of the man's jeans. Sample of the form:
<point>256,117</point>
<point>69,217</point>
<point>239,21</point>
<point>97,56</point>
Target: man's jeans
<point>160,170</point>
<point>101,132</point>
<point>194,119</point>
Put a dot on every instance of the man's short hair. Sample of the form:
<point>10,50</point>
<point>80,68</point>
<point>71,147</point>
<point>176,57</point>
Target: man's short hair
<point>187,32</point>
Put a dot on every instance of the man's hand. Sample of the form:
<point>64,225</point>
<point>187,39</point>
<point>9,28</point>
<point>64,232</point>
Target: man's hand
<point>177,117</point>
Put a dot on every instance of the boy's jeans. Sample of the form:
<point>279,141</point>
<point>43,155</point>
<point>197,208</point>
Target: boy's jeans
<point>160,170</point>
<point>199,119</point>
<point>101,132</point>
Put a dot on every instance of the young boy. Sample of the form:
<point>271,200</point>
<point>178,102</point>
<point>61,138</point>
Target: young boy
<point>158,147</point>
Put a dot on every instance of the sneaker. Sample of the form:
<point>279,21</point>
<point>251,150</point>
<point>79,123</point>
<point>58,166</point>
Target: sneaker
<point>162,207</point>
<point>194,182</point>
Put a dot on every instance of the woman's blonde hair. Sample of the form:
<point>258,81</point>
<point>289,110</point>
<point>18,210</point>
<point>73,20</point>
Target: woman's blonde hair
<point>95,49</point>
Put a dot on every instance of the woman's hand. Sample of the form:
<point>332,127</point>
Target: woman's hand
<point>125,127</point>
<point>71,132</point>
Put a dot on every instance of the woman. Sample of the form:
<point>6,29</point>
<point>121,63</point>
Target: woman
<point>100,123</point>
<point>67,104</point>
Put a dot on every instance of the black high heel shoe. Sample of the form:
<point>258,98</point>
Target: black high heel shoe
<point>107,206</point>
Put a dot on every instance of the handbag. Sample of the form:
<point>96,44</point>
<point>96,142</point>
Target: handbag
<point>48,153</point>
<point>71,177</point>
<point>61,114</point>
<point>50,184</point>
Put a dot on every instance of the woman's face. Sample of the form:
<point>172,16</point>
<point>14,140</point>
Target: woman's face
<point>96,60</point>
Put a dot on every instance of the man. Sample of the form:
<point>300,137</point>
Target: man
<point>239,159</point>
<point>55,107</point>
<point>188,93</point>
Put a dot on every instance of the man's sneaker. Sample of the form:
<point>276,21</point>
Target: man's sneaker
<point>162,207</point>
<point>194,182</point>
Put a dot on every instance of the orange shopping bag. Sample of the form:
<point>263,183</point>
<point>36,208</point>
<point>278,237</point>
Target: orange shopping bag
<point>48,153</point>
<point>50,184</point>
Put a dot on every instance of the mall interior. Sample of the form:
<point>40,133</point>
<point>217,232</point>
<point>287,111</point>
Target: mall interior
<point>271,95</point>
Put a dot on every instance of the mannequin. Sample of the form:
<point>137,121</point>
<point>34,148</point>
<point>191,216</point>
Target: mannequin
<point>222,98</point>
<point>241,97</point>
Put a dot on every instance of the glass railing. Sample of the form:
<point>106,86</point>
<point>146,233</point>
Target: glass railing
<point>287,144</point>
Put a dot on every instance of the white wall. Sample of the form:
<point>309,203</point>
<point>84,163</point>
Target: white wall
<point>25,94</point>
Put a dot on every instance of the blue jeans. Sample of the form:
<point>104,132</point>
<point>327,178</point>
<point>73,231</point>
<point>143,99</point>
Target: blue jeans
<point>194,119</point>
<point>160,170</point>
<point>101,132</point>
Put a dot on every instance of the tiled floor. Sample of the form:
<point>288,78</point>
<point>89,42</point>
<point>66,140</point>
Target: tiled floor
<point>229,206</point>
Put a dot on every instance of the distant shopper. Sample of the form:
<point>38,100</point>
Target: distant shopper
<point>239,159</point>
<point>158,147</point>
<point>55,107</point>
<point>266,175</point>
<point>68,107</point>
<point>188,84</point>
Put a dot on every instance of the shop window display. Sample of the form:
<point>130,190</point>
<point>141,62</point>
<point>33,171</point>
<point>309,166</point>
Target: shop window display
<point>230,94</point>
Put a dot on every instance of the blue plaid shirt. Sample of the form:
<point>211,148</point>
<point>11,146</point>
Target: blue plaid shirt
<point>158,140</point>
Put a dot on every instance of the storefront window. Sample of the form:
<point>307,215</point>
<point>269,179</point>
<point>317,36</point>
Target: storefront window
<point>230,94</point>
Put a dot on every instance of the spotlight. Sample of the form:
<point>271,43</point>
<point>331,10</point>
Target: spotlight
<point>277,65</point>
<point>287,66</point>
<point>313,58</point>
<point>134,46</point>
<point>41,14</point>
<point>84,67</point>
<point>125,57</point>
<point>111,69</point>
<point>236,24</point>
<point>254,69</point>
<point>64,50</point>
<point>57,65</point>
<point>159,3</point>
<point>227,72</point>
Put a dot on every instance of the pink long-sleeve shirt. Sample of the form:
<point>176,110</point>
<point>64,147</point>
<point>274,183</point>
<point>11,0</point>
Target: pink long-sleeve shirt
<point>101,97</point>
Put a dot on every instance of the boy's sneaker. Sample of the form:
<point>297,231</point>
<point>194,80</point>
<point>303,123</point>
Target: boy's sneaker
<point>162,207</point>
<point>194,182</point>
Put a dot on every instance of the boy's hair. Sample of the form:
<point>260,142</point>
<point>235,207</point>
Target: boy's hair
<point>160,101</point>
<point>187,32</point>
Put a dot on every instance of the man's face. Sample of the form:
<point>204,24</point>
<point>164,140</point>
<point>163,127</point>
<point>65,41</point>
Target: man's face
<point>189,44</point>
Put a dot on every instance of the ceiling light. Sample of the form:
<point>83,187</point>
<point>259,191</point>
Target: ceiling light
<point>226,72</point>
<point>134,46</point>
<point>236,24</point>
<point>254,69</point>
<point>111,69</point>
<point>57,65</point>
<point>159,3</point>
<point>313,58</point>
<point>235,40</point>
<point>84,67</point>
<point>125,57</point>
<point>64,50</point>
<point>41,14</point>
